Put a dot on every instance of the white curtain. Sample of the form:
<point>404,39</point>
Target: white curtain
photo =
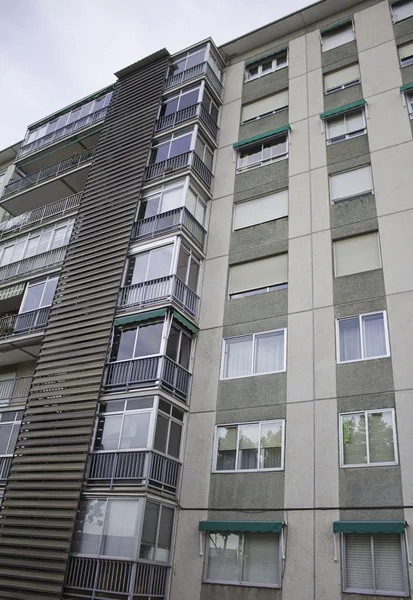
<point>269,352</point>
<point>350,341</point>
<point>374,336</point>
<point>238,354</point>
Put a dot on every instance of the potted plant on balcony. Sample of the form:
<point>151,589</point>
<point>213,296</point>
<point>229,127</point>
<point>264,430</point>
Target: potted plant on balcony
<point>7,330</point>
<point>75,157</point>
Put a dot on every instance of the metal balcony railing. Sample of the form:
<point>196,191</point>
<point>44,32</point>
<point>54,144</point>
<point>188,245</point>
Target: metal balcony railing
<point>33,263</point>
<point>177,163</point>
<point>5,464</point>
<point>186,114</point>
<point>148,371</point>
<point>18,184</point>
<point>162,289</point>
<point>171,220</point>
<point>50,138</point>
<point>37,216</point>
<point>196,71</point>
<point>145,468</point>
<point>15,388</point>
<point>121,579</point>
<point>24,322</point>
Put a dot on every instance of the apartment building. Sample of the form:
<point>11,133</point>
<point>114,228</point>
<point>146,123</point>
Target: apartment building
<point>206,307</point>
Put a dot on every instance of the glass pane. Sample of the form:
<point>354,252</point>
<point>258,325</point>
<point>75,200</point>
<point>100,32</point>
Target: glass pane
<point>165,534</point>
<point>135,431</point>
<point>195,59</point>
<point>374,335</point>
<point>144,402</point>
<point>89,526</point>
<point>224,557</point>
<point>160,153</point>
<point>172,198</point>
<point>107,434</point>
<point>208,158</point>
<point>266,66</point>
<point>359,569</point>
<point>149,530</point>
<point>120,534</point>
<point>31,246</point>
<point>149,340</point>
<point>189,99</point>
<point>44,241</point>
<point>126,344</point>
<point>174,439</point>
<point>355,121</point>
<point>149,207</point>
<point>270,444</point>
<point>180,145</point>
<point>191,201</point>
<point>182,268</point>
<point>354,439</point>
<point>13,438</point>
<point>58,237</point>
<point>169,107</point>
<point>335,127</point>
<point>140,267</point>
<point>185,351</point>
<point>86,108</point>
<point>269,352</point>
<point>227,448</point>
<point>200,212</point>
<point>253,156</point>
<point>177,67</point>
<point>5,431</point>
<point>18,251</point>
<point>248,446</point>
<point>381,441</point>
<point>238,354</point>
<point>33,297</point>
<point>74,115</point>
<point>252,72</point>
<point>350,341</point>
<point>160,262</point>
<point>161,434</point>
<point>6,256</point>
<point>173,343</point>
<point>49,292</point>
<point>279,147</point>
<point>261,558</point>
<point>388,563</point>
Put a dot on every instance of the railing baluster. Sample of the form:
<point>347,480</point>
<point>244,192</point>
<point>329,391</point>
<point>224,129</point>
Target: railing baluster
<point>170,220</point>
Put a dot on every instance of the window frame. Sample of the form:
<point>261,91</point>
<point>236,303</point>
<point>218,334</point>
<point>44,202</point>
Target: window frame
<point>349,238</point>
<point>16,422</point>
<point>179,95</point>
<point>334,201</point>
<point>348,135</point>
<point>258,469</point>
<point>274,66</point>
<point>351,23</point>
<point>262,161</point>
<point>243,583</point>
<point>360,317</point>
<point>267,114</point>
<point>409,102</point>
<point>254,336</point>
<point>344,465</point>
<point>374,592</point>
<point>408,60</point>
<point>394,20</point>
<point>34,283</point>
<point>343,86</point>
<point>236,204</point>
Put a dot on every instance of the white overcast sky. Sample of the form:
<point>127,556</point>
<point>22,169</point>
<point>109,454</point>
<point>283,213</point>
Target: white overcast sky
<point>53,52</point>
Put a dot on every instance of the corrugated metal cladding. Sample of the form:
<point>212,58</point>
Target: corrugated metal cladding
<point>43,489</point>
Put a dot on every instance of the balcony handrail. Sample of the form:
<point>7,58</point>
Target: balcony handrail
<point>33,263</point>
<point>5,464</point>
<point>186,114</point>
<point>16,184</point>
<point>14,388</point>
<point>54,209</point>
<point>49,138</point>
<point>195,71</point>
<point>167,221</point>
<point>181,161</point>
<point>168,288</point>
<point>24,322</point>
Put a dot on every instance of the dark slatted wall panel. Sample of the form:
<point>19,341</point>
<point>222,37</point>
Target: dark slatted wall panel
<point>43,490</point>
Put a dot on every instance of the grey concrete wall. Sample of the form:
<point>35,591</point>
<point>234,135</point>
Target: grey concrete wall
<point>279,119</point>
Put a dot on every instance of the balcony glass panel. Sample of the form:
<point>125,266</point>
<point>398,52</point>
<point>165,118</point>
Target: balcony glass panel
<point>186,61</point>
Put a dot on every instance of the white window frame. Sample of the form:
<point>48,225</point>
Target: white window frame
<point>241,583</point>
<point>409,102</point>
<point>167,140</point>
<point>393,15</point>
<point>374,592</point>
<point>259,63</point>
<point>343,86</point>
<point>33,284</point>
<point>254,337</point>
<point>262,161</point>
<point>185,55</point>
<point>360,317</point>
<point>344,465</point>
<point>259,469</point>
<point>179,94</point>
<point>348,134</point>
<point>16,422</point>
<point>350,22</point>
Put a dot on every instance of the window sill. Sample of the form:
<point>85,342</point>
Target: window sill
<point>348,136</point>
<point>342,87</point>
<point>253,375</point>
<point>360,195</point>
<point>387,464</point>
<point>269,114</point>
<point>239,584</point>
<point>262,223</point>
<point>371,593</point>
<point>238,471</point>
<point>338,46</point>
<point>262,164</point>
<point>356,360</point>
<point>265,74</point>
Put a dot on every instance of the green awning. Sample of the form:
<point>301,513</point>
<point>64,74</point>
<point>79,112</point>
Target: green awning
<point>146,316</point>
<point>183,321</point>
<point>368,526</point>
<point>342,109</point>
<point>262,136</point>
<point>264,56</point>
<point>242,526</point>
<point>335,26</point>
<point>408,86</point>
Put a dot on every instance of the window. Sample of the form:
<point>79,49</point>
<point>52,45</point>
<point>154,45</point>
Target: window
<point>171,146</point>
<point>250,446</point>
<point>261,210</point>
<point>266,65</point>
<point>368,438</point>
<point>265,107</point>
<point>179,101</point>
<point>187,61</point>
<point>341,79</point>
<point>374,564</point>
<point>409,98</point>
<point>144,340</point>
<point>156,532</point>
<point>39,295</point>
<point>351,184</point>
<point>362,337</point>
<point>244,559</point>
<point>337,36</point>
<point>345,126</point>
<point>188,267</point>
<point>168,430</point>
<point>147,266</point>
<point>167,198</point>
<point>9,430</point>
<point>2,176</point>
<point>7,386</point>
<point>178,347</point>
<point>402,10</point>
<point>258,276</point>
<point>210,106</point>
<point>357,254</point>
<point>124,425</point>
<point>204,152</point>
<point>263,154</point>
<point>254,354</point>
<point>406,55</point>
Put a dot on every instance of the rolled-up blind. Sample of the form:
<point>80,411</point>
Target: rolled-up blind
<point>351,183</point>
<point>402,10</point>
<point>357,254</point>
<point>261,210</point>
<point>341,77</point>
<point>262,558</point>
<point>258,274</point>
<point>264,106</point>
<point>406,50</point>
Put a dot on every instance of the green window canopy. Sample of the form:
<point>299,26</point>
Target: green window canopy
<point>183,321</point>
<point>154,314</point>
<point>262,136</point>
<point>241,526</point>
<point>342,109</point>
<point>369,526</point>
<point>265,56</point>
<point>335,26</point>
<point>408,86</point>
